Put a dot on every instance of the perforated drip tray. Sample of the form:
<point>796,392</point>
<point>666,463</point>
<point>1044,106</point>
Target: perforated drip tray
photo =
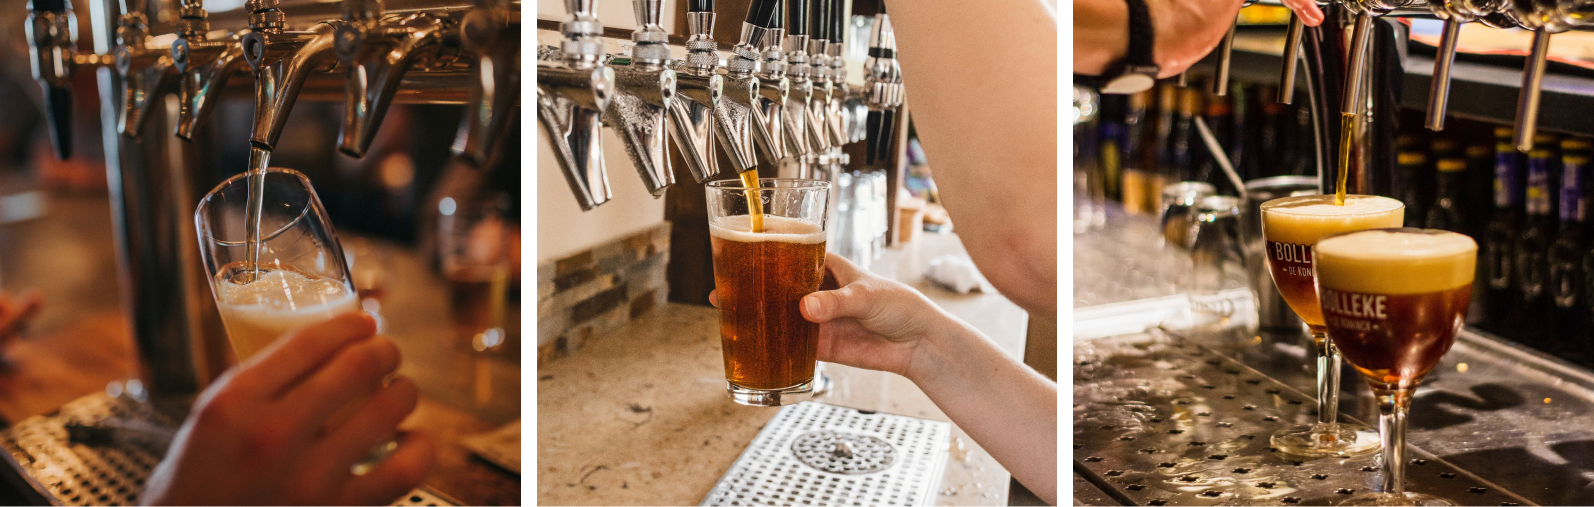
<point>99,450</point>
<point>1159,420</point>
<point>817,454</point>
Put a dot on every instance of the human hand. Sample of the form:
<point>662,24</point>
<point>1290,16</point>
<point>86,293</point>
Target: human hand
<point>260,435</point>
<point>1307,10</point>
<point>15,312</point>
<point>869,322</point>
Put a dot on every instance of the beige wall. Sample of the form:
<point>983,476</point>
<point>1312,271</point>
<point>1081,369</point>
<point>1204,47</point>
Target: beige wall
<point>563,229</point>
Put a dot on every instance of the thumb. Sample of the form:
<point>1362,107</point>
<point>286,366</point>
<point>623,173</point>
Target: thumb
<point>853,301</point>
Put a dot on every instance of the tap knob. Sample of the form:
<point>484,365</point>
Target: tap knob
<point>51,32</point>
<point>651,39</point>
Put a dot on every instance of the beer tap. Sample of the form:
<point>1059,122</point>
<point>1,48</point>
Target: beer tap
<point>281,60</point>
<point>699,89</point>
<point>819,74</point>
<point>644,90</point>
<point>1544,18</point>
<point>1291,60</point>
<point>882,86</point>
<point>750,111</point>
<point>146,71</point>
<point>776,87</point>
<point>836,19</point>
<point>494,95</point>
<point>798,71</point>
<point>1454,13</point>
<point>376,52</point>
<point>203,66</point>
<point>52,33</point>
<point>574,88</point>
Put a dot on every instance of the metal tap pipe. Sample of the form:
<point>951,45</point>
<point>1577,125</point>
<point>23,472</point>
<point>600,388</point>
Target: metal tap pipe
<point>699,90</point>
<point>754,90</point>
<point>52,28</point>
<point>1545,19</point>
<point>492,33</point>
<point>572,94</point>
<point>1454,13</point>
<point>882,86</point>
<point>795,49</point>
<point>147,72</point>
<point>838,73</point>
<point>376,54</point>
<point>281,61</point>
<point>1292,57</point>
<point>644,91</point>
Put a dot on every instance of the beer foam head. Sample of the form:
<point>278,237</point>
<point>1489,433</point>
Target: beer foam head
<point>282,290</point>
<point>791,230</point>
<point>1408,261</point>
<point>1304,219</point>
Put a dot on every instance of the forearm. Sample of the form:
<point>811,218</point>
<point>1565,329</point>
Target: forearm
<point>1101,35</point>
<point>1006,407</point>
<point>982,90</point>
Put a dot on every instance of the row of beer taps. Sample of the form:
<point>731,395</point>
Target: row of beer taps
<point>423,48</point>
<point>781,93</point>
<point>1543,17</point>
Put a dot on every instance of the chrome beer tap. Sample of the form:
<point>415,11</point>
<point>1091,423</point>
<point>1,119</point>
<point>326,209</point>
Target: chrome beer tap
<point>1454,13</point>
<point>574,88</point>
<point>644,89</point>
<point>203,66</point>
<point>281,61</point>
<point>376,51</point>
<point>797,71</point>
<point>1544,18</point>
<point>775,88</point>
<point>750,111</point>
<point>493,36</point>
<point>698,92</point>
<point>52,33</point>
<point>819,74</point>
<point>146,71</point>
<point>836,73</point>
<point>882,86</point>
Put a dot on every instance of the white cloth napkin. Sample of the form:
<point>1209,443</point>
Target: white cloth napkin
<point>956,273</point>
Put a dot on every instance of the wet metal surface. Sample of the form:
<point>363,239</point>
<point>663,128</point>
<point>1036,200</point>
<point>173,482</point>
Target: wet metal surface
<point>1163,420</point>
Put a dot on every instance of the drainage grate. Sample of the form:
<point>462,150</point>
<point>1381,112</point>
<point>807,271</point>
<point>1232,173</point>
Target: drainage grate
<point>71,458</point>
<point>802,458</point>
<point>1159,420</point>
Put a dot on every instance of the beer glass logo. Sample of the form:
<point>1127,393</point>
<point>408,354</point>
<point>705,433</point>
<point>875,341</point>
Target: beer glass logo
<point>1360,312</point>
<point>1290,258</point>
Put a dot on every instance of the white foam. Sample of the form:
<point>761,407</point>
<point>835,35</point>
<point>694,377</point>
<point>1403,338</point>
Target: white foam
<point>1386,262</point>
<point>258,312</point>
<point>790,230</point>
<point>1305,219</point>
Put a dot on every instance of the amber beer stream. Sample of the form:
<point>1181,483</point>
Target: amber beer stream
<point>1291,227</point>
<point>760,279</point>
<point>1394,301</point>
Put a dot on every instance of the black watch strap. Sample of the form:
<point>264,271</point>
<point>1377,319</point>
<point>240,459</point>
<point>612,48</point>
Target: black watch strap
<point>1138,70</point>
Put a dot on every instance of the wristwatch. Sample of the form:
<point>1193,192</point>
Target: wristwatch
<point>1138,70</point>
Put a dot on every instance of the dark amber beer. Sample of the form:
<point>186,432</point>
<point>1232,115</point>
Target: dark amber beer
<point>760,279</point>
<point>1291,227</point>
<point>1394,300</point>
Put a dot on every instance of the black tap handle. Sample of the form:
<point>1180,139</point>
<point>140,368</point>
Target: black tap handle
<point>700,6</point>
<point>797,17</point>
<point>56,6</point>
<point>58,109</point>
<point>819,19</point>
<point>777,18</point>
<point>764,13</point>
<point>838,20</point>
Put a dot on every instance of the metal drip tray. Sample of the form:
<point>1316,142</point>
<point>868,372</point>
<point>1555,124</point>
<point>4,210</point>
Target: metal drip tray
<point>61,470</point>
<point>1159,420</point>
<point>817,454</point>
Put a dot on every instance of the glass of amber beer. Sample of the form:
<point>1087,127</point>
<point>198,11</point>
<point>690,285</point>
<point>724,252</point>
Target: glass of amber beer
<point>1290,228</point>
<point>1394,300</point>
<point>765,261</point>
<point>300,276</point>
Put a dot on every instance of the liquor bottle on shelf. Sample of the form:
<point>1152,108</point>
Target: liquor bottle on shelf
<point>1569,315</point>
<point>1114,108</point>
<point>1531,252</point>
<point>1500,236</point>
<point>1177,156</point>
<point>1479,189</point>
<point>1447,211</point>
<point>1136,165</point>
<point>1411,162</point>
<point>1162,134</point>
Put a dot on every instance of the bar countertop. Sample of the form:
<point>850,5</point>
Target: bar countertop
<point>641,416</point>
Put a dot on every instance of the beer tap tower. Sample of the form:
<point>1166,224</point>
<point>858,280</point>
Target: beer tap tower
<point>425,51</point>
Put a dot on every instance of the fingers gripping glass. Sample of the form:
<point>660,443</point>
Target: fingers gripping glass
<point>301,277</point>
<point>760,278</point>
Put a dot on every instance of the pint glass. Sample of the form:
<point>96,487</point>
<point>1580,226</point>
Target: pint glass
<point>760,278</point>
<point>300,277</point>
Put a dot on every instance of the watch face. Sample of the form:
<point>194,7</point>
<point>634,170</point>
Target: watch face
<point>1128,83</point>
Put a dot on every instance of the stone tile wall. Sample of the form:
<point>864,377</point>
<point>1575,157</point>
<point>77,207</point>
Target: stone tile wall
<point>589,294</point>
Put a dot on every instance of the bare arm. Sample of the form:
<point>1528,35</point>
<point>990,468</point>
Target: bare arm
<point>982,84</point>
<point>1186,30</point>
